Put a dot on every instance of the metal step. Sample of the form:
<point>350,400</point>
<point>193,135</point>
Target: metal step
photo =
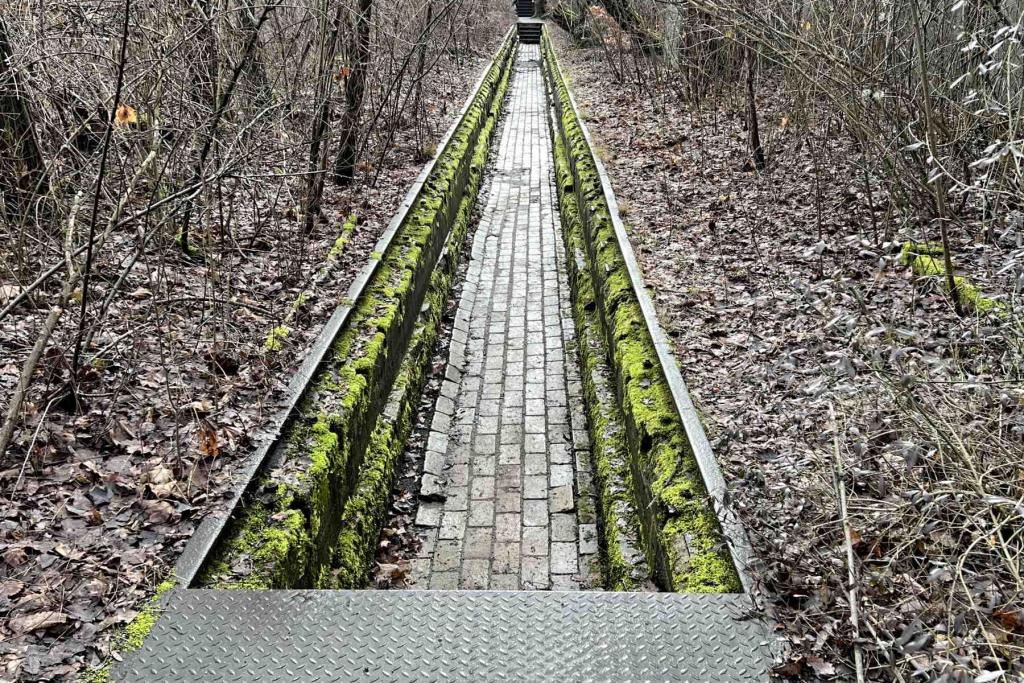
<point>299,636</point>
<point>530,30</point>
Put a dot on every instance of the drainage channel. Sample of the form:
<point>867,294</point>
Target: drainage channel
<point>506,493</point>
<point>562,483</point>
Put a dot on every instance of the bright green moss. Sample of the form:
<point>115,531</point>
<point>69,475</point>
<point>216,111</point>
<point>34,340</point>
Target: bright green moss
<point>346,233</point>
<point>276,338</point>
<point>133,636</point>
<point>268,543</point>
<point>617,520</point>
<point>927,260</point>
<point>365,510</point>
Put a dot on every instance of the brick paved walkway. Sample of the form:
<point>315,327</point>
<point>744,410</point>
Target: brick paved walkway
<point>506,497</point>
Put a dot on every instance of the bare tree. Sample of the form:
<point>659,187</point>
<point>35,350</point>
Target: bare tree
<point>355,90</point>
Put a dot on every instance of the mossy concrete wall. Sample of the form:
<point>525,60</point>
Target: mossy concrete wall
<point>680,531</point>
<point>624,565</point>
<point>312,519</point>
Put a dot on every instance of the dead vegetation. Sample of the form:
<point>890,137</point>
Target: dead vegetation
<point>839,384</point>
<point>175,180</point>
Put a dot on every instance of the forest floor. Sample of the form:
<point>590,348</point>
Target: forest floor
<point>808,347</point>
<point>98,502</point>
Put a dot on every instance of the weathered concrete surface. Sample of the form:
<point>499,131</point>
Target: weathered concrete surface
<point>507,499</point>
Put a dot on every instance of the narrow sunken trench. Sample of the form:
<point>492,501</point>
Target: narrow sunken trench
<point>506,500</point>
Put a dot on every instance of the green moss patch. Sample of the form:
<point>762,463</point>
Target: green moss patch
<point>927,259</point>
<point>624,567</point>
<point>680,532</point>
<point>133,636</point>
<point>276,338</point>
<point>365,511</point>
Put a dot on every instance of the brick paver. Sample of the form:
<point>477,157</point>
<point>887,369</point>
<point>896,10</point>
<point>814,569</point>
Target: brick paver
<point>506,497</point>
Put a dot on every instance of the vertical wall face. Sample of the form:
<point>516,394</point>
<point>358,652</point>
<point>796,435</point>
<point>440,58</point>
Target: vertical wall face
<point>313,520</point>
<point>680,532</point>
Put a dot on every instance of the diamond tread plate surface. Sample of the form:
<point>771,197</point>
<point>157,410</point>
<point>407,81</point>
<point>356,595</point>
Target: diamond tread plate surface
<point>298,636</point>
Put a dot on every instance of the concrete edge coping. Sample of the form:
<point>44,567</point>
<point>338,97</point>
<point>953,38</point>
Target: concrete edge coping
<point>209,531</point>
<point>710,470</point>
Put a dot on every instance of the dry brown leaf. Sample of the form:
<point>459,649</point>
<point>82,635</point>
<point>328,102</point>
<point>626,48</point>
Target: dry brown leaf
<point>208,444</point>
<point>37,621</point>
<point>126,115</point>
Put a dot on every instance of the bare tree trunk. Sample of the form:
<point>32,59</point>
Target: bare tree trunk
<point>753,131</point>
<point>27,173</point>
<point>222,102</point>
<point>421,61</point>
<point>673,35</point>
<point>317,159</point>
<point>204,76</point>
<point>264,91</point>
<point>355,89</point>
<point>933,149</point>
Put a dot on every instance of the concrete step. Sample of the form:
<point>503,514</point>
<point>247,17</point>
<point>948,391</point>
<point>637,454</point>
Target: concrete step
<point>298,636</point>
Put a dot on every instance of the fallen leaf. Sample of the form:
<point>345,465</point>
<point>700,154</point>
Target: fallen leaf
<point>1010,619</point>
<point>159,511</point>
<point>126,115</point>
<point>793,669</point>
<point>989,676</point>
<point>821,667</point>
<point>15,556</point>
<point>37,621</point>
<point>208,444</point>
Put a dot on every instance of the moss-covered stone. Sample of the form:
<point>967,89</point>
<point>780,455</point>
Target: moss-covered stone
<point>623,566</point>
<point>342,241</point>
<point>680,532</point>
<point>365,511</point>
<point>325,488</point>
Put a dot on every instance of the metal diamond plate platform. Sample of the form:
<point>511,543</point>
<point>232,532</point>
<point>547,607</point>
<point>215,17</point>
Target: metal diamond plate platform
<point>298,636</point>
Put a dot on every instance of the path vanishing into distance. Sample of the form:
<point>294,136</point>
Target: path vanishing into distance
<point>358,342</point>
<point>504,474</point>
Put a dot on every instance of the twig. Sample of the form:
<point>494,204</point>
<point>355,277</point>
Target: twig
<point>858,654</point>
<point>100,176</point>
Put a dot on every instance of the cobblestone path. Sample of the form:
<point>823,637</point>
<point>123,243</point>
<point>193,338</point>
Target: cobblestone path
<point>506,497</point>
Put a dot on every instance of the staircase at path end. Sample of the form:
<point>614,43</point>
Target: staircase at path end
<point>530,31</point>
<point>529,28</point>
